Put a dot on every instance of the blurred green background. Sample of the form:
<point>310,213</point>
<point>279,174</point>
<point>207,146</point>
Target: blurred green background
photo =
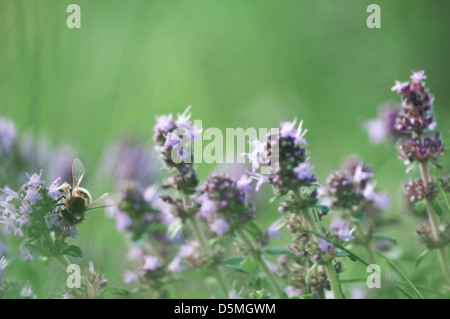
<point>239,64</point>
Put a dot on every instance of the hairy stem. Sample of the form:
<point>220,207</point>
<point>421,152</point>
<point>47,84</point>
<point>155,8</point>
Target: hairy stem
<point>321,293</point>
<point>434,222</point>
<point>334,280</point>
<point>207,251</point>
<point>248,242</point>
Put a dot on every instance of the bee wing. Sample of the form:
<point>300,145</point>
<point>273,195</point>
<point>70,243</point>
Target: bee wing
<point>77,173</point>
<point>106,200</point>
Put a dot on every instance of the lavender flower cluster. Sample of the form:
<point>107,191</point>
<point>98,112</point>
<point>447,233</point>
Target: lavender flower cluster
<point>35,212</point>
<point>166,136</point>
<point>416,120</point>
<point>422,145</point>
<point>292,170</point>
<point>351,189</point>
<point>224,203</point>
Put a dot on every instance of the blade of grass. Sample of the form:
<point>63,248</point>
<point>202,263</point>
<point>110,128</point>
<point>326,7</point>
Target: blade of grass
<point>421,257</point>
<point>432,291</point>
<point>443,195</point>
<point>404,291</point>
<point>403,275</point>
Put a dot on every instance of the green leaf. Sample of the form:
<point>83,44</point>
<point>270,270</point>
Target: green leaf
<point>421,257</point>
<point>254,230</point>
<point>140,239</point>
<point>437,208</point>
<point>156,227</point>
<point>279,223</point>
<point>420,206</point>
<point>384,237</point>
<point>342,253</point>
<point>175,228</point>
<point>359,218</point>
<point>274,198</point>
<point>411,167</point>
<point>218,240</point>
<point>233,263</point>
<point>443,195</point>
<point>73,251</point>
<point>250,265</point>
<point>324,208</point>
<point>278,251</point>
<point>113,290</point>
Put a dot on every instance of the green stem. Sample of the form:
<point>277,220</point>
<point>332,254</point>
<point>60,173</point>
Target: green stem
<point>63,261</point>
<point>334,280</point>
<point>311,222</point>
<point>365,242</point>
<point>331,271</point>
<point>321,293</point>
<point>248,242</point>
<point>434,222</point>
<point>207,251</point>
<point>158,254</point>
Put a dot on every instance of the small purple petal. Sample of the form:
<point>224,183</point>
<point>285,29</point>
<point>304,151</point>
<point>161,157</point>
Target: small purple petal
<point>323,244</point>
<point>175,265</point>
<point>129,276</point>
<point>272,231</point>
<point>151,263</point>
<point>399,86</point>
<point>418,76</point>
<point>244,184</point>
<point>208,208</point>
<point>292,292</point>
<point>360,175</point>
<point>54,191</point>
<point>219,226</point>
<point>35,180</point>
<point>122,221</point>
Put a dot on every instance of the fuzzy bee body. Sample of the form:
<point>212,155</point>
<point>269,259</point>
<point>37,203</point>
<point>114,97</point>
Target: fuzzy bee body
<point>79,199</point>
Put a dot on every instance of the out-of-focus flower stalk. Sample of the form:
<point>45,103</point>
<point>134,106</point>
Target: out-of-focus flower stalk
<point>207,251</point>
<point>257,254</point>
<point>434,222</point>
